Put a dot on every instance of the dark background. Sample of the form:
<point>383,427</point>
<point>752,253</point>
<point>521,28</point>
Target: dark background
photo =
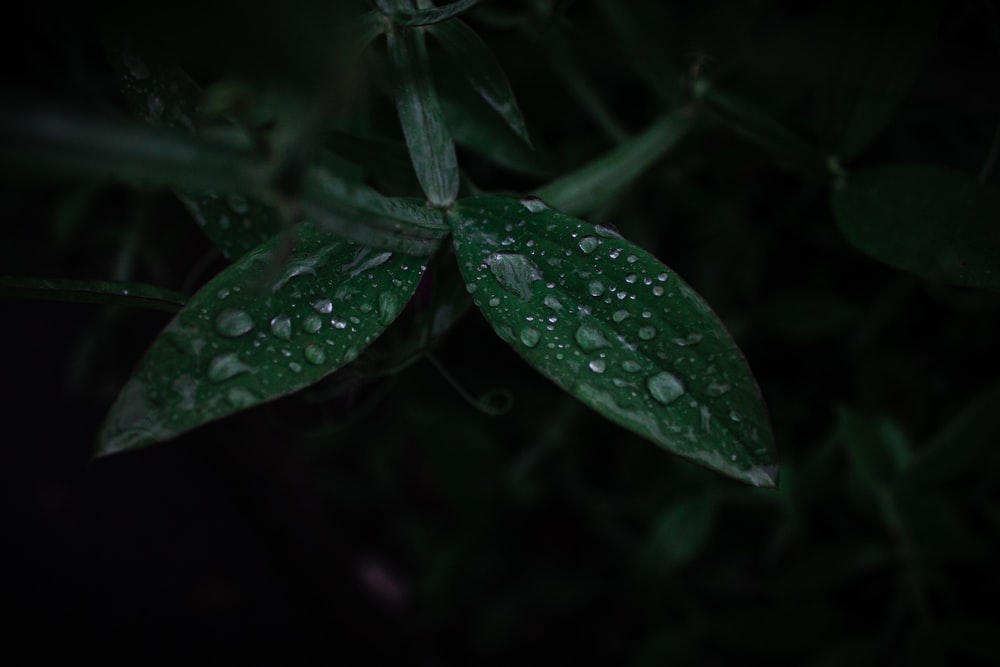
<point>382,517</point>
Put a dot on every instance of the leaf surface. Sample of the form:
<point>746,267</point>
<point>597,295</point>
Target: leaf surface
<point>617,329</point>
<point>259,330</point>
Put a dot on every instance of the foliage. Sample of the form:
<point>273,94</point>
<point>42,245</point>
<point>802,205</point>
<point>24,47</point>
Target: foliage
<point>430,317</point>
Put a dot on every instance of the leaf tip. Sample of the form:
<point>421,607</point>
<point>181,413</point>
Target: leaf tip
<point>764,476</point>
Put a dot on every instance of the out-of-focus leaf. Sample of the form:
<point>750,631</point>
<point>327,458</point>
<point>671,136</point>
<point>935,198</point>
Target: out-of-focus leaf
<point>877,450</point>
<point>931,221</point>
<point>757,126</point>
<point>166,97</point>
<point>961,444</point>
<point>427,137</point>
<point>251,335</point>
<point>617,329</point>
<point>360,214</point>
<point>112,293</point>
<point>678,534</point>
<point>403,14</point>
<point>588,187</point>
<point>879,50</point>
<point>480,67</point>
<point>476,128</point>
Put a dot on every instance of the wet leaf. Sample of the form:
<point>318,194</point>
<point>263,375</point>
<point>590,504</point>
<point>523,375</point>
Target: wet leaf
<point>404,16</point>
<point>427,137</point>
<point>617,329</point>
<point>476,61</point>
<point>253,334</point>
<point>932,221</point>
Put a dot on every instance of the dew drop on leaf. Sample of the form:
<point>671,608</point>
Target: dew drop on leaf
<point>596,288</point>
<point>589,338</point>
<point>530,336</point>
<point>534,204</point>
<point>631,366</point>
<point>312,323</point>
<point>514,272</point>
<point>323,306</point>
<point>238,204</point>
<point>598,365</point>
<point>647,333</point>
<point>314,354</point>
<point>665,387</point>
<point>281,326</point>
<point>388,305</point>
<point>494,301</point>
<point>588,244</point>
<point>226,366</point>
<point>233,323</point>
<point>294,367</point>
<point>240,397</point>
<point>619,315</point>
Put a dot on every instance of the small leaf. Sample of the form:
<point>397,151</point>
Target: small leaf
<point>403,16</point>
<point>251,335</point>
<point>878,54</point>
<point>617,329</point>
<point>480,67</point>
<point>678,534</point>
<point>756,125</point>
<point>593,184</point>
<point>930,220</point>
<point>427,137</point>
<point>112,293</point>
<point>167,97</point>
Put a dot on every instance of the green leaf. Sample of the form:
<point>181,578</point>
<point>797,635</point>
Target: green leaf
<point>167,97</point>
<point>788,149</point>
<point>929,220</point>
<point>112,293</point>
<point>618,330</point>
<point>427,137</point>
<point>877,450</point>
<point>360,214</point>
<point>878,53</point>
<point>480,67</point>
<point>588,187</point>
<point>679,534</point>
<point>46,143</point>
<point>404,16</point>
<point>260,330</point>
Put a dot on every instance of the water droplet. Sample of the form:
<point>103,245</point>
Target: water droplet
<point>552,302</point>
<point>314,354</point>
<point>631,259</point>
<point>692,339</point>
<point>534,204</point>
<point>233,323</point>
<point>657,291</point>
<point>323,306</point>
<point>530,337</point>
<point>631,278</point>
<point>735,416</point>
<point>717,389</point>
<point>281,326</point>
<point>185,386</point>
<point>514,272</point>
<point>615,254</point>
<point>338,324</point>
<point>619,315</point>
<point>598,365</point>
<point>238,204</point>
<point>647,333</point>
<point>312,323</point>
<point>294,367</point>
<point>350,354</point>
<point>240,397</point>
<point>665,387</point>
<point>607,231</point>
<point>226,366</point>
<point>589,338</point>
<point>588,244</point>
<point>223,293</point>
<point>135,66</point>
<point>646,314</point>
<point>471,288</point>
<point>596,288</point>
<point>662,277</point>
<point>388,306</point>
<point>494,301</point>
